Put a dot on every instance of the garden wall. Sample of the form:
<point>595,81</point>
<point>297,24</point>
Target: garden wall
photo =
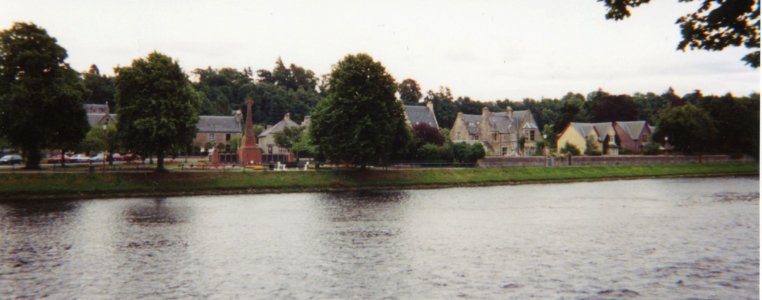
<point>538,161</point>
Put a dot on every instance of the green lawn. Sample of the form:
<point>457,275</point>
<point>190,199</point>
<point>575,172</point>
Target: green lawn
<point>34,185</point>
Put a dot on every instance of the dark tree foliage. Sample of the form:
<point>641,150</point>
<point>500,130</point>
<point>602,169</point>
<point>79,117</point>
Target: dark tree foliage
<point>158,108</point>
<point>649,105</point>
<point>360,121</point>
<point>221,89</point>
<point>410,92</point>
<point>716,25</point>
<point>293,78</point>
<point>689,128</point>
<point>736,121</point>
<point>101,87</point>
<point>444,108</point>
<point>603,107</point>
<point>425,134</point>
<point>41,97</point>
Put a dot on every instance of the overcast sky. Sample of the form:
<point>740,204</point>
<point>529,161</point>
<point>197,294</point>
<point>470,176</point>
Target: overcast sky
<point>487,50</point>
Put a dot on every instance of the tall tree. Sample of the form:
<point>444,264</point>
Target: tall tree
<point>292,77</point>
<point>101,86</point>
<point>410,91</point>
<point>716,25</point>
<point>444,108</point>
<point>688,128</point>
<point>41,97</point>
<point>607,108</point>
<point>360,121</point>
<point>158,108</point>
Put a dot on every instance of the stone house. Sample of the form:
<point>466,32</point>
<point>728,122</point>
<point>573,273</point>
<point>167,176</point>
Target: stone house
<point>508,133</point>
<point>577,134</point>
<point>416,114</point>
<point>271,152</point>
<point>633,135</point>
<point>610,137</point>
<point>216,130</point>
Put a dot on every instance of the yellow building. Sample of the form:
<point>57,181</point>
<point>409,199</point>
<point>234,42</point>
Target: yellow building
<point>603,136</point>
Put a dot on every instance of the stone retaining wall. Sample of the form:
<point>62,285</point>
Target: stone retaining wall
<point>538,161</point>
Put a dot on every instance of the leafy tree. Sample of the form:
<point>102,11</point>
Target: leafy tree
<point>429,152</point>
<point>360,121</point>
<point>425,134</point>
<point>569,148</point>
<point>221,90</point>
<point>303,144</point>
<point>689,128</point>
<point>41,97</point>
<point>476,152</point>
<point>603,107</point>
<point>716,25</point>
<point>158,108</point>
<point>98,139</point>
<point>101,87</point>
<point>591,147</point>
<point>293,78</point>
<point>445,109</point>
<point>288,137</point>
<point>410,91</point>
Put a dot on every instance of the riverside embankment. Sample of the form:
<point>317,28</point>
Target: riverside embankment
<point>44,185</point>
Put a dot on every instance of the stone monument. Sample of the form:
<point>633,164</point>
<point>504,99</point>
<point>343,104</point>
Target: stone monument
<point>249,153</point>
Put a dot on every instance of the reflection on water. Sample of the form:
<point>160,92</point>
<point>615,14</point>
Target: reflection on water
<point>686,238</point>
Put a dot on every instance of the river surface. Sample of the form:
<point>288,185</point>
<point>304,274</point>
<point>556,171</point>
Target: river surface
<point>640,239</point>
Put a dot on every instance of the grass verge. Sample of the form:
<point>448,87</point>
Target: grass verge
<point>83,185</point>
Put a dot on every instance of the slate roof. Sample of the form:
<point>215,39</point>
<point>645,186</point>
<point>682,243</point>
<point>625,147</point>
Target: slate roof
<point>633,128</point>
<point>96,108</point>
<point>420,114</point>
<point>583,128</point>
<point>602,129</point>
<point>278,127</point>
<point>94,119</point>
<point>472,123</point>
<point>227,124</point>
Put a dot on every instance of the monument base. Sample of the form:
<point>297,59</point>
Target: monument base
<point>248,156</point>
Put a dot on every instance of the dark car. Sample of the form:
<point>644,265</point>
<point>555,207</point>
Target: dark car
<point>11,159</point>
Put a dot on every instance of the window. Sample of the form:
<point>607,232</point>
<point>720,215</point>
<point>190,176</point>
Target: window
<point>211,136</point>
<point>494,137</point>
<point>227,137</point>
<point>505,150</point>
<point>531,135</point>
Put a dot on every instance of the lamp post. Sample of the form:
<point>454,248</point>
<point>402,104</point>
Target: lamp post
<point>105,132</point>
<point>666,146</point>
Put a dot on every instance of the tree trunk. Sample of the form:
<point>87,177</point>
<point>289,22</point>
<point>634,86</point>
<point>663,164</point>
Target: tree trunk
<point>160,161</point>
<point>32,158</point>
<point>63,158</point>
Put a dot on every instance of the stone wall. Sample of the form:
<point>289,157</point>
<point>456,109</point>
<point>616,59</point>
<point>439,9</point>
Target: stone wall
<point>538,161</point>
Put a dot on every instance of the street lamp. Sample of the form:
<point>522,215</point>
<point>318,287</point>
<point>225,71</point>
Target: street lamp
<point>666,146</point>
<point>105,132</point>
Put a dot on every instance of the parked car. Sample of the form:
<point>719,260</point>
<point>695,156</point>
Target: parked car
<point>11,159</point>
<point>80,158</point>
<point>56,159</point>
<point>117,157</point>
<point>98,158</point>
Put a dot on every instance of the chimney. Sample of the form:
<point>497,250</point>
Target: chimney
<point>510,111</point>
<point>485,111</point>
<point>287,116</point>
<point>430,105</point>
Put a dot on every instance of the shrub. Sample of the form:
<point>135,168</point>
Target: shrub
<point>569,148</point>
<point>651,149</point>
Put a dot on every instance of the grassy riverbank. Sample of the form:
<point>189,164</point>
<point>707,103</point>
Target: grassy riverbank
<point>59,185</point>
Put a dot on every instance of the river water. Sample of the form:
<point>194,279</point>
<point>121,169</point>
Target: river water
<point>647,239</point>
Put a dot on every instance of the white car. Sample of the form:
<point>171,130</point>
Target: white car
<point>80,158</point>
<point>98,158</point>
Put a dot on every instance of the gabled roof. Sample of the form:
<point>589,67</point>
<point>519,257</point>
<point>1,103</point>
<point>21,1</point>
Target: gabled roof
<point>472,123</point>
<point>601,129</point>
<point>227,124</point>
<point>278,127</point>
<point>632,128</point>
<point>500,122</point>
<point>95,119</point>
<point>96,108</point>
<point>420,115</point>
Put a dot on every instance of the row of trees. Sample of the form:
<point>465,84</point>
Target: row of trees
<point>41,99</point>
<point>357,117</point>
